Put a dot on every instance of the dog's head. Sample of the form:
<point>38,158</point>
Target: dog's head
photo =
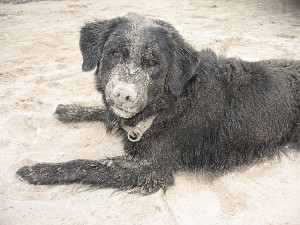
<point>138,61</point>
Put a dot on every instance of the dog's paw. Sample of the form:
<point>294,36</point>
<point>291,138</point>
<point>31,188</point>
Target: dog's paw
<point>64,113</point>
<point>28,174</point>
<point>60,111</point>
<point>37,174</point>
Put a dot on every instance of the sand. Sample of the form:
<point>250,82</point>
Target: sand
<point>40,66</point>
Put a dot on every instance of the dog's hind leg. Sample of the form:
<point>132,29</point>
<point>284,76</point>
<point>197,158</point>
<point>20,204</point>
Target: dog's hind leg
<point>77,113</point>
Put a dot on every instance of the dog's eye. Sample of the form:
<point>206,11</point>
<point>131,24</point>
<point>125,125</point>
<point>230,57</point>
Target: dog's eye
<point>116,54</point>
<point>152,62</point>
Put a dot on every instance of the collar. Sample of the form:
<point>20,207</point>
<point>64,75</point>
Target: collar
<point>134,134</point>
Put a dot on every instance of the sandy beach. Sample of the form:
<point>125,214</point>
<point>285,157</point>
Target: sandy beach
<point>40,67</point>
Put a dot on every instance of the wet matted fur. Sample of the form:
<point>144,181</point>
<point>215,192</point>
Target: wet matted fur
<point>213,114</point>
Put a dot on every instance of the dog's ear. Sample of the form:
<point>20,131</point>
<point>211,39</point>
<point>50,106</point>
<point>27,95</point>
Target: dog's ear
<point>186,63</point>
<point>92,39</point>
<point>185,59</point>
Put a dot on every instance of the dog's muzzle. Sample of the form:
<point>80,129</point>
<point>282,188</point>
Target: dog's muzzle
<point>124,93</point>
<point>124,99</point>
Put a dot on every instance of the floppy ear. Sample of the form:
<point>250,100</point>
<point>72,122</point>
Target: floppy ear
<point>92,38</point>
<point>186,63</point>
<point>185,59</point>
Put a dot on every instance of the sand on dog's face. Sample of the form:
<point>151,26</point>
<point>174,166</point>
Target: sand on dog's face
<point>41,67</point>
<point>134,61</point>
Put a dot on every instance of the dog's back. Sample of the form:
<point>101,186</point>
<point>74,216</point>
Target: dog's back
<point>244,112</point>
<point>291,69</point>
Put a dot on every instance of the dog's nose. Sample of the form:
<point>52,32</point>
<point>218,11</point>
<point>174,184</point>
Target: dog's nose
<point>125,93</point>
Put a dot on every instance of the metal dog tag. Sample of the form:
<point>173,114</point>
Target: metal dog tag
<point>134,135</point>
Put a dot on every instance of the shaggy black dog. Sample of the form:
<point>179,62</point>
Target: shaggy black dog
<point>176,108</point>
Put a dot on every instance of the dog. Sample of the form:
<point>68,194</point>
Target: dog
<point>175,108</point>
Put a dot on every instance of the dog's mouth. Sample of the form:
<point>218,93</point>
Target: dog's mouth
<point>123,112</point>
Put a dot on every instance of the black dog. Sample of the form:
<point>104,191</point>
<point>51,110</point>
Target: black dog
<point>175,108</point>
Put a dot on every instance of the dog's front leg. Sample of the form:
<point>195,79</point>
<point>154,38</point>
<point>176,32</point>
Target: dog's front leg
<point>143,177</point>
<point>58,173</point>
<point>77,113</point>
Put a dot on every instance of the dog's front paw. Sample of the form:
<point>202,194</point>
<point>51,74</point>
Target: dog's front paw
<point>65,113</point>
<point>30,174</point>
<point>40,174</point>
